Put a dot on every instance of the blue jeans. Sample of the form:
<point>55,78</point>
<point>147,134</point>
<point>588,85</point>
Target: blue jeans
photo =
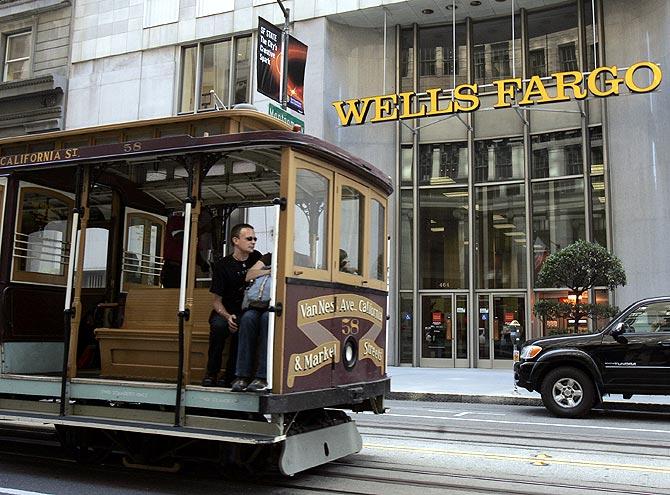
<point>252,342</point>
<point>218,334</point>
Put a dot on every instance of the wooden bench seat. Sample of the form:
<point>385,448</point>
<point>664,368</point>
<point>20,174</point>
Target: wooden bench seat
<point>146,346</point>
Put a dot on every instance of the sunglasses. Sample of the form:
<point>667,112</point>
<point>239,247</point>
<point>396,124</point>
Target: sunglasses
<point>251,238</point>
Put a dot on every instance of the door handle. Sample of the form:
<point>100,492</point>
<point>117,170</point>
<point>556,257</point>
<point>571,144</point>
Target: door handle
<point>664,343</point>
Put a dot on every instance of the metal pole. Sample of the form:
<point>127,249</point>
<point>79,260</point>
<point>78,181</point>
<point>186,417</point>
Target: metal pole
<point>284,72</point>
<point>271,318</point>
<point>183,314</point>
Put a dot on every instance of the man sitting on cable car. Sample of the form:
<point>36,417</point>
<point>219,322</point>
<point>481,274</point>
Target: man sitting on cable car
<point>228,284</point>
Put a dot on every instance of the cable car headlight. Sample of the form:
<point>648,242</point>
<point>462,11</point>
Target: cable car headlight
<point>349,353</point>
<point>530,351</point>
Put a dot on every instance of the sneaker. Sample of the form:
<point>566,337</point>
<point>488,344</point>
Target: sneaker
<point>258,385</point>
<point>240,385</point>
<point>208,381</point>
<point>223,383</point>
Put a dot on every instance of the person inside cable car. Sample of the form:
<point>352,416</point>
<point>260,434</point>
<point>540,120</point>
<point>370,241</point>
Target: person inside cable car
<point>228,284</point>
<point>251,369</point>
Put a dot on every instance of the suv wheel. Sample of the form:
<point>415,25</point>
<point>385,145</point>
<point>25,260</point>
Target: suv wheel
<point>568,392</point>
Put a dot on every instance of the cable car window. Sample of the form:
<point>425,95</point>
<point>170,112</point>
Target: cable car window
<point>377,241</point>
<point>41,242</point>
<point>142,258</point>
<point>351,231</point>
<point>310,238</point>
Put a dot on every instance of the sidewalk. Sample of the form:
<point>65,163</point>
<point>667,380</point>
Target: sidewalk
<point>486,386</point>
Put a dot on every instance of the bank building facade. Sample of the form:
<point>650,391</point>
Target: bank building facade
<point>481,198</point>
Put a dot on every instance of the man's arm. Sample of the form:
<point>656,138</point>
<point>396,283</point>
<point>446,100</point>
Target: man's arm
<point>221,310</point>
<point>257,270</point>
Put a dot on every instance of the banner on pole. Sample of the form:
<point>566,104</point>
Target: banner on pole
<point>268,62</point>
<point>297,59</point>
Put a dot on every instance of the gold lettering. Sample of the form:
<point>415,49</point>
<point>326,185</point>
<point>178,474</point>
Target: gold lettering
<point>461,95</point>
<point>385,105</point>
<point>655,71</point>
<point>406,112</point>
<point>613,84</point>
<point>505,87</point>
<point>434,108</point>
<point>561,85</point>
<point>353,111</point>
<point>535,88</point>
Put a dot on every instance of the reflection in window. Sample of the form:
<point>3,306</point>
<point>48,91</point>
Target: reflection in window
<point>215,73</point>
<point>377,241</point>
<point>592,56</point>
<point>310,233</point>
<point>406,236</point>
<point>497,159</point>
<point>558,217</point>
<point>493,49</point>
<point>438,57</point>
<point>500,231</point>
<point>557,154</point>
<point>598,198</point>
<point>652,318</point>
<point>406,59</point>
<point>351,231</point>
<point>42,241</point>
<point>442,164</point>
<point>142,260</point>
<point>443,235</point>
<point>406,157</point>
<point>405,325</point>
<point>552,37</point>
<point>17,56</point>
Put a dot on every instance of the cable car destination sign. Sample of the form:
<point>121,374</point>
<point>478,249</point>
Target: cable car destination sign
<point>601,82</point>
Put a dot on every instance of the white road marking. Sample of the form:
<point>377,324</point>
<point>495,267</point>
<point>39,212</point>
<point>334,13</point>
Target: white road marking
<point>530,423</point>
<point>446,411</point>
<point>11,491</point>
<point>465,413</point>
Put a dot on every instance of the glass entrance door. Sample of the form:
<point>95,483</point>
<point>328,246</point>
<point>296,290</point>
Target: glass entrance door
<point>444,323</point>
<point>501,322</point>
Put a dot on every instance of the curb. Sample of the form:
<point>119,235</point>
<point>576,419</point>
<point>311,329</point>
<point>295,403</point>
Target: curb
<point>510,400</point>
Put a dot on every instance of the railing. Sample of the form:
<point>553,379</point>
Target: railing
<point>142,268</point>
<point>41,255</point>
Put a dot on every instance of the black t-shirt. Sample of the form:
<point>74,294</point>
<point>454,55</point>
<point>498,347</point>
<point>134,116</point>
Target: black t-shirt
<point>228,280</point>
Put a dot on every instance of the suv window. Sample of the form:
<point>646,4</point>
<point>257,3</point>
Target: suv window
<point>653,317</point>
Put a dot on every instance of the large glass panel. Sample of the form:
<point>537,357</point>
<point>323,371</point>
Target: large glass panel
<point>461,326</point>
<point>558,217</point>
<point>591,47</point>
<point>552,40</point>
<point>188,66</point>
<point>436,325</point>
<point>215,74</point>
<point>310,235</point>
<point>498,159</point>
<point>406,60</point>
<point>561,325</point>
<point>443,238</point>
<point>405,323</point>
<point>598,197</point>
<point>17,56</point>
<point>95,258</point>
<point>142,259</point>
<point>442,164</point>
<point>351,231</point>
<point>492,51</point>
<point>509,325</point>
<point>242,66</point>
<point>556,154</point>
<point>483,334</point>
<point>437,57</point>
<point>406,156</point>
<point>500,230</point>
<point>377,269</point>
<point>42,239</point>
<point>406,236</point>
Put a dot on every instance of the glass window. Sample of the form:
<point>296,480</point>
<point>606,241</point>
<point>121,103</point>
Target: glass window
<point>556,154</point>
<point>406,235</point>
<point>499,159</point>
<point>500,231</point>
<point>377,266</point>
<point>558,216</point>
<point>654,317</point>
<point>142,259</point>
<point>438,58</point>
<point>406,157</point>
<point>552,40</point>
<point>95,258</point>
<point>406,332</point>
<point>442,164</point>
<point>437,327</point>
<point>42,238</point>
<point>592,48</point>
<point>310,234</point>
<point>212,61</point>
<point>406,60</point>
<point>351,231</point>
<point>443,238</point>
<point>598,197</point>
<point>17,56</point>
<point>493,49</point>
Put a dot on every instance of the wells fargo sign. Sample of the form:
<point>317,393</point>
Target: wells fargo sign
<point>601,82</point>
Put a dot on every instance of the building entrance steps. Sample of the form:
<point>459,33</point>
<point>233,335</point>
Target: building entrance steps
<point>489,386</point>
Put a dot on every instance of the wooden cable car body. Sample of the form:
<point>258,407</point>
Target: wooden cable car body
<point>112,352</point>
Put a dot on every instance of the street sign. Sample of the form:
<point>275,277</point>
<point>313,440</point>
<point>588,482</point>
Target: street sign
<point>284,116</point>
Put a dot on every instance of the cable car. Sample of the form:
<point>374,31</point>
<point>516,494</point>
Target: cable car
<point>95,341</point>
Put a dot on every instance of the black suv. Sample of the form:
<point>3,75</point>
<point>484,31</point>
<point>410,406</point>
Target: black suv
<point>630,356</point>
